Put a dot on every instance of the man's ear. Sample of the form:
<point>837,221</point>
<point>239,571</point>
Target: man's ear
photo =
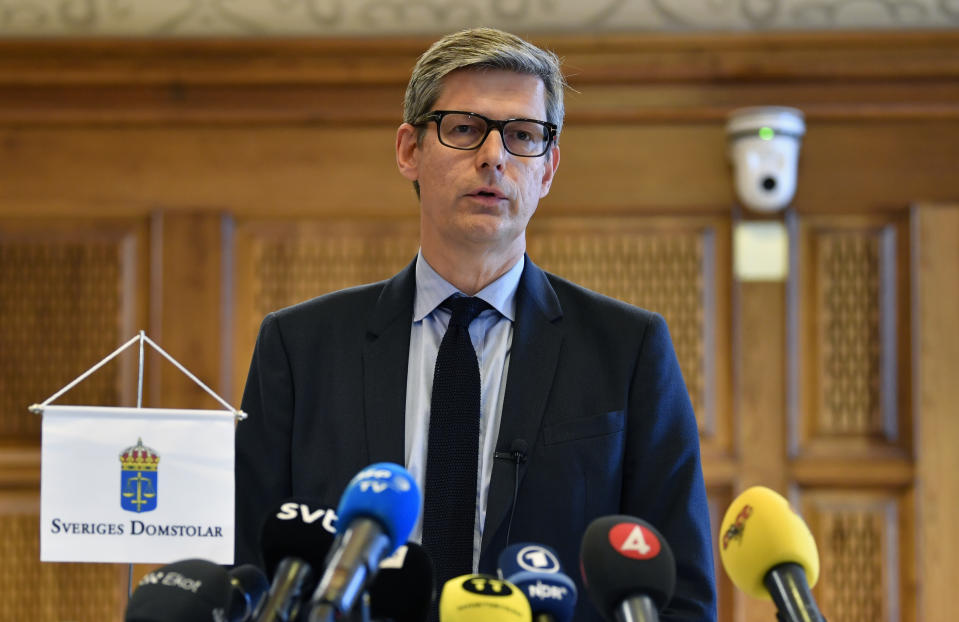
<point>407,152</point>
<point>550,167</point>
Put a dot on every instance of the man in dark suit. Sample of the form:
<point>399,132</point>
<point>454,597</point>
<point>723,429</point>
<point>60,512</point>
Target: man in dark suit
<point>582,410</point>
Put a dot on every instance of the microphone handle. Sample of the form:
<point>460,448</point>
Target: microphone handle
<point>291,582</point>
<point>354,558</point>
<point>639,608</point>
<point>323,612</point>
<point>790,591</point>
<point>326,612</point>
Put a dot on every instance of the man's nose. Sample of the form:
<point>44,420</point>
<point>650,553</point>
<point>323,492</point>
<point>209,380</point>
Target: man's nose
<point>493,150</point>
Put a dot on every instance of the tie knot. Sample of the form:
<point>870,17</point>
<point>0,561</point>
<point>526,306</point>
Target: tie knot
<point>464,309</point>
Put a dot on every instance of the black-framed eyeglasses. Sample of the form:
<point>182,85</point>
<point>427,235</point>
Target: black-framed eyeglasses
<point>528,138</point>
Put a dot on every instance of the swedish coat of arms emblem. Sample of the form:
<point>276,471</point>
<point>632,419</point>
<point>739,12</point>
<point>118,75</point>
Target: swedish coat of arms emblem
<point>138,478</point>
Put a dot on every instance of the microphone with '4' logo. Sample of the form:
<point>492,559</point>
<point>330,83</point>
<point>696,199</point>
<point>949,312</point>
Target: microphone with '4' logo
<point>536,571</point>
<point>628,569</point>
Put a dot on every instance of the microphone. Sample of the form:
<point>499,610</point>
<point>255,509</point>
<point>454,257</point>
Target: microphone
<point>249,587</point>
<point>295,539</point>
<point>769,553</point>
<point>628,568</point>
<point>517,453</point>
<point>376,515</point>
<point>402,590</point>
<point>482,598</point>
<point>190,590</point>
<point>536,571</point>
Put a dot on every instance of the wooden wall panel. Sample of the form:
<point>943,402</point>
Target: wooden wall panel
<point>69,295</point>
<point>52,592</point>
<point>67,300</point>
<point>935,233</point>
<point>852,389</point>
<point>760,422</point>
<point>283,262</point>
<point>190,290</point>
<point>850,432</point>
<point>858,533</point>
<point>261,173</point>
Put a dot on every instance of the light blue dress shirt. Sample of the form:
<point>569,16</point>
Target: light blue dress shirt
<point>492,335</point>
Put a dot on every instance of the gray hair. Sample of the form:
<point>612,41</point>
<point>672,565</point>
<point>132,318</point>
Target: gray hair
<point>482,48</point>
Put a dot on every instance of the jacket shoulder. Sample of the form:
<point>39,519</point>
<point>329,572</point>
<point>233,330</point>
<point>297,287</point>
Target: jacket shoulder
<point>576,299</point>
<point>337,301</point>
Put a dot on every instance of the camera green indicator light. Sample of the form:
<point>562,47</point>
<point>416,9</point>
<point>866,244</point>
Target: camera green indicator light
<point>767,133</point>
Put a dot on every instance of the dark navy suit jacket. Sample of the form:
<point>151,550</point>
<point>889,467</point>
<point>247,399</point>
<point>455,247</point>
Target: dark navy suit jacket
<point>593,387</point>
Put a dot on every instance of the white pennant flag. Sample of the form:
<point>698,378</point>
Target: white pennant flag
<point>136,485</point>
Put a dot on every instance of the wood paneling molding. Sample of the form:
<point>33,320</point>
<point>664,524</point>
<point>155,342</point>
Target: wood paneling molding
<point>936,265</point>
<point>388,60</point>
<point>641,77</point>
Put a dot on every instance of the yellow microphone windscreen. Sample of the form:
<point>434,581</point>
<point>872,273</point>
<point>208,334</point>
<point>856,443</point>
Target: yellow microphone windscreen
<point>483,598</point>
<point>760,531</point>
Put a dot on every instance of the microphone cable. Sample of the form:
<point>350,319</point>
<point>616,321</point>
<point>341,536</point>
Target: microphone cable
<point>517,453</point>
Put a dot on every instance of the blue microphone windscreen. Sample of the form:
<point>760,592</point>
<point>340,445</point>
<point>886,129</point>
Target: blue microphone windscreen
<point>386,493</point>
<point>536,571</point>
<point>527,557</point>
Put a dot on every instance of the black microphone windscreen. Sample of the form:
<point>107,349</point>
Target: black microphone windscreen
<point>191,590</point>
<point>622,557</point>
<point>403,593</point>
<point>298,527</point>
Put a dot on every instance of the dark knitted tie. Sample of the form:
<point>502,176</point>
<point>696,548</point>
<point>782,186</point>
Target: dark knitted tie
<point>450,494</point>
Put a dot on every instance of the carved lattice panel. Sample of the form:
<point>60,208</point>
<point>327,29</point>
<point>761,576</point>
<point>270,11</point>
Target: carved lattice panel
<point>301,262</point>
<point>664,266</point>
<point>48,592</point>
<point>852,335</point>
<point>857,536</point>
<point>848,297</point>
<point>65,305</point>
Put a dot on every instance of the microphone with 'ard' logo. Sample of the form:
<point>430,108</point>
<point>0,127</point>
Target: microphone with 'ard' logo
<point>628,568</point>
<point>536,571</point>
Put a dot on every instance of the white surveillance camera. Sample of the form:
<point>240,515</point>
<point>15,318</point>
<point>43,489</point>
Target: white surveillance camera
<point>764,146</point>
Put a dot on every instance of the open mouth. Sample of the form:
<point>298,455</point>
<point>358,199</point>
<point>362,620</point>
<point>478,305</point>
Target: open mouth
<point>488,194</point>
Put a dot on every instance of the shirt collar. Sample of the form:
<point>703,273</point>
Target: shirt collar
<point>432,289</point>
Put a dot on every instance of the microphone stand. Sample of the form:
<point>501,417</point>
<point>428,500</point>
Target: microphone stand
<point>637,609</point>
<point>326,612</point>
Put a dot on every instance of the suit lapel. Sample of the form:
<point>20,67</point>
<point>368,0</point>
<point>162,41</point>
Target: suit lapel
<point>537,338</point>
<point>385,362</point>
